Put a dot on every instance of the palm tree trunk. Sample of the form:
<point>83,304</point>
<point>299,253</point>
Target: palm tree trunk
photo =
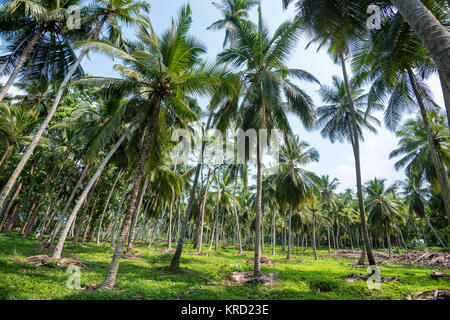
<point>362,210</point>
<point>7,188</point>
<point>273,233</point>
<point>446,92</point>
<point>202,213</point>
<point>290,235</point>
<point>257,261</point>
<point>435,233</point>
<point>66,207</point>
<point>5,154</point>
<point>216,241</point>
<point>110,279</point>
<point>238,229</point>
<point>88,222</point>
<point>350,236</point>
<point>433,34</point>
<point>175,263</point>
<point>440,167</point>
<point>131,237</point>
<point>388,238</point>
<point>20,62</point>
<point>99,230</point>
<point>313,236</point>
<point>95,177</point>
<point>329,242</point>
<point>80,223</point>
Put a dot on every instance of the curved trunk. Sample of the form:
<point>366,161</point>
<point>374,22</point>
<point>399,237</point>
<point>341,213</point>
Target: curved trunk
<point>110,279</point>
<point>354,130</point>
<point>433,34</point>
<point>441,169</point>
<point>20,63</point>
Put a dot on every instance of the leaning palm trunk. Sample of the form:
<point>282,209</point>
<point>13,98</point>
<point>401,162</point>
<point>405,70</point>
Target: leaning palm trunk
<point>433,34</point>
<point>79,225</point>
<point>446,92</point>
<point>5,154</point>
<point>441,169</point>
<point>110,279</point>
<point>7,188</point>
<point>175,263</point>
<point>59,246</point>
<point>355,142</point>
<point>238,229</point>
<point>21,62</point>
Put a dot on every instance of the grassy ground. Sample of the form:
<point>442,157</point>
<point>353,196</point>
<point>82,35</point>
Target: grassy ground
<point>302,278</point>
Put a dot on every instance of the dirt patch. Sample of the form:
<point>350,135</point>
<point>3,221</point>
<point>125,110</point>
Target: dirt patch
<point>440,275</point>
<point>263,261</point>
<point>45,260</point>
<point>429,259</point>
<point>197,254</point>
<point>355,254</point>
<point>247,277</point>
<point>168,250</point>
<point>355,277</point>
<point>430,295</point>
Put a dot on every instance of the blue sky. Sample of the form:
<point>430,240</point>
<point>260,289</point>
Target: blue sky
<point>335,159</point>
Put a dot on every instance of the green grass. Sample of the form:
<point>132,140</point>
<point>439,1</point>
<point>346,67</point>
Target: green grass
<point>303,278</point>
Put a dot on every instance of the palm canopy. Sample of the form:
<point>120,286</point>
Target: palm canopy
<point>385,211</point>
<point>335,120</point>
<point>384,59</point>
<point>414,148</point>
<point>266,77</point>
<point>293,183</point>
<point>166,67</point>
<point>231,9</point>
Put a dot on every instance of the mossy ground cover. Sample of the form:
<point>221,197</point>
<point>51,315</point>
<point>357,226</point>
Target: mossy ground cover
<point>147,277</point>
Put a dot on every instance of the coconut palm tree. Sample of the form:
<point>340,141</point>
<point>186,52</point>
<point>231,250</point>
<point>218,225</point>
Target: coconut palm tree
<point>336,26</point>
<point>385,212</point>
<point>163,71</point>
<point>106,13</point>
<point>294,184</point>
<point>397,64</point>
<point>266,77</point>
<point>236,9</point>
<point>414,148</point>
<point>36,29</point>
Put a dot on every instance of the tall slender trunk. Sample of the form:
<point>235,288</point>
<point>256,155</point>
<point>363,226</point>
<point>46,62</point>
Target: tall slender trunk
<point>349,230</point>
<point>435,233</point>
<point>440,167</point>
<point>273,233</point>
<point>20,62</point>
<point>329,240</point>
<point>117,216</point>
<point>290,235</point>
<point>238,229</point>
<point>100,223</point>
<point>354,129</point>
<point>175,263</point>
<point>388,238</point>
<point>26,156</point>
<point>202,212</point>
<point>313,236</point>
<point>433,34</point>
<point>216,242</point>
<point>446,93</point>
<point>110,279</point>
<point>257,261</point>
